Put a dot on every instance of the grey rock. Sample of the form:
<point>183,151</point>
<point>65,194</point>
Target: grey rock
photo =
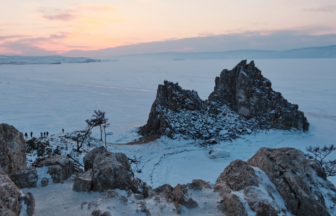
<point>291,173</point>
<point>238,175</point>
<point>44,182</point>
<point>250,94</point>
<point>63,162</point>
<point>91,156</point>
<point>13,149</point>
<point>56,173</point>
<point>138,186</point>
<point>111,171</point>
<point>25,178</point>
<point>181,196</point>
<point>11,196</point>
<point>230,205</point>
<point>242,91</point>
<point>83,182</point>
<point>165,190</point>
<point>198,184</point>
<point>139,196</point>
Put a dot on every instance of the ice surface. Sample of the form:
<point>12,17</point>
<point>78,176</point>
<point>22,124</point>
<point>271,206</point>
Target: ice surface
<point>23,60</point>
<point>42,98</point>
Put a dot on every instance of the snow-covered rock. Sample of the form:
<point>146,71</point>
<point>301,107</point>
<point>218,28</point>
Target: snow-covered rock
<point>241,103</point>
<point>13,149</point>
<point>13,201</point>
<point>83,182</point>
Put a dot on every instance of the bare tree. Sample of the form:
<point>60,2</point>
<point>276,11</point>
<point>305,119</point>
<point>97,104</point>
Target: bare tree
<point>91,123</point>
<point>319,154</point>
<point>106,125</point>
<point>100,118</point>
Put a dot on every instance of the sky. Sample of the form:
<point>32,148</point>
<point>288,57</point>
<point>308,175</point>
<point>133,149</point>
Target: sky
<point>44,27</point>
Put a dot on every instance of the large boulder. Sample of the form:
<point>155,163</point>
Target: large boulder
<point>242,97</point>
<point>60,167</point>
<point>13,200</point>
<point>91,156</point>
<point>303,190</point>
<point>83,182</point>
<point>13,149</point>
<point>25,178</point>
<point>276,182</point>
<point>111,171</point>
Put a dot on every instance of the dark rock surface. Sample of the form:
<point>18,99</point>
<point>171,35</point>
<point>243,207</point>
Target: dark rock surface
<point>25,178</point>
<point>83,182</point>
<point>243,101</point>
<point>11,196</point>
<point>12,149</point>
<point>296,181</point>
<point>250,94</point>
<point>60,166</point>
<point>111,171</point>
<point>91,156</point>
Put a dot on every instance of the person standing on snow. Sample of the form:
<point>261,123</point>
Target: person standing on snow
<point>47,133</point>
<point>41,134</point>
<point>31,134</point>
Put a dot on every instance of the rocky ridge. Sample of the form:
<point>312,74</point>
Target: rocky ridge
<point>242,102</point>
<point>273,182</point>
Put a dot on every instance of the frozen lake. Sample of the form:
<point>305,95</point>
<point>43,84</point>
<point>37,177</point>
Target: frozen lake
<point>42,98</point>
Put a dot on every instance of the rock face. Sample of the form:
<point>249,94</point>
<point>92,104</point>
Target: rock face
<point>13,149</point>
<point>296,180</point>
<point>60,167</point>
<point>83,182</point>
<point>11,197</point>
<point>91,156</point>
<point>25,178</point>
<point>250,94</point>
<point>243,101</point>
<point>111,171</point>
<point>273,182</point>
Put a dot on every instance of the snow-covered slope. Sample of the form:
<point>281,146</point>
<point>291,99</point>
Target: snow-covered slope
<point>22,60</point>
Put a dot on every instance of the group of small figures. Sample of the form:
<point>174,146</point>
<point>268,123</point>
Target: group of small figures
<point>43,134</point>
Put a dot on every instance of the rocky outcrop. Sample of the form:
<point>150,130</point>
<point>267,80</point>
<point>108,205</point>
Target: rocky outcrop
<point>273,182</point>
<point>247,92</point>
<point>243,101</point>
<point>182,197</point>
<point>304,192</point>
<point>91,156</point>
<point>111,171</point>
<point>12,149</point>
<point>139,187</point>
<point>13,200</point>
<point>25,178</point>
<point>60,167</point>
<point>83,182</point>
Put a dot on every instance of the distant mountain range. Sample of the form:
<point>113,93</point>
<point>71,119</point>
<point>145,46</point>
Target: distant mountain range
<point>55,59</point>
<point>310,52</point>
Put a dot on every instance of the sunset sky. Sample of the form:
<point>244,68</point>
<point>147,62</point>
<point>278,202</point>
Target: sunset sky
<point>64,25</point>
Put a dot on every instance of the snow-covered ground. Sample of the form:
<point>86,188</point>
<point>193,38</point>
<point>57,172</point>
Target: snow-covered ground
<point>41,98</point>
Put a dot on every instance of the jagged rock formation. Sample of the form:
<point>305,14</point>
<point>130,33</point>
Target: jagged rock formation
<point>13,201</point>
<point>243,101</point>
<point>12,149</point>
